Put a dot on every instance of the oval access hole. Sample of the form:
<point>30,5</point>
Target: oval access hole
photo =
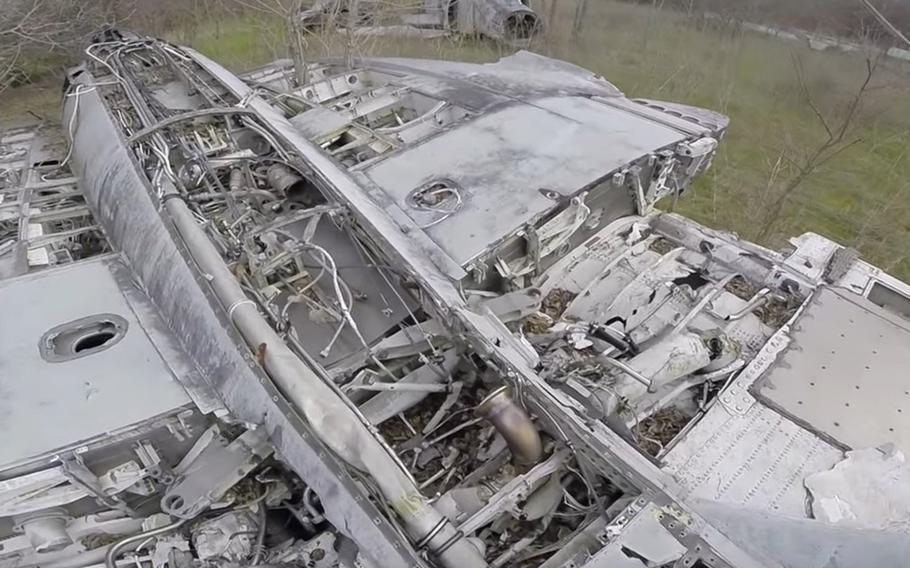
<point>92,341</point>
<point>83,337</point>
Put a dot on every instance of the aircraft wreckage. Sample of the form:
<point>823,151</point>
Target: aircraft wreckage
<point>422,313</point>
<point>510,21</point>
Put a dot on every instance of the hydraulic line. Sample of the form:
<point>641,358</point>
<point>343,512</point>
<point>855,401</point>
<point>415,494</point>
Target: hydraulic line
<point>111,556</point>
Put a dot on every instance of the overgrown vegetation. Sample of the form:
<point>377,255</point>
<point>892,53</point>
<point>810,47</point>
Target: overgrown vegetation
<point>789,106</point>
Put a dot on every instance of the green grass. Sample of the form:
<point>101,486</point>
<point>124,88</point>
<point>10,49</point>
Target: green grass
<point>861,198</point>
<point>234,43</point>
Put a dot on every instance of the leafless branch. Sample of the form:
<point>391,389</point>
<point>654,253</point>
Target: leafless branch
<point>886,23</point>
<point>801,79</point>
<point>29,27</point>
<point>8,59</point>
<point>838,140</point>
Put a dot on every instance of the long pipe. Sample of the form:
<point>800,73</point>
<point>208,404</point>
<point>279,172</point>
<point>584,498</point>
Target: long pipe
<point>333,421</point>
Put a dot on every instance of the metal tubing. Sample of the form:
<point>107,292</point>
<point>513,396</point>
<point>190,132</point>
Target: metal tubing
<point>110,178</point>
<point>111,556</point>
<point>513,424</point>
<point>757,301</point>
<point>399,387</point>
<point>191,115</point>
<point>209,195</point>
<point>627,370</point>
<point>703,303</point>
<point>259,547</point>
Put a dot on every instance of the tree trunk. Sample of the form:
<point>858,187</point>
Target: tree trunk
<point>352,23</point>
<point>297,46</point>
<point>551,20</point>
<point>580,14</point>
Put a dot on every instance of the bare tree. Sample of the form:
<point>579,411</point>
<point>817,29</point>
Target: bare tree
<point>9,57</point>
<point>841,17</point>
<point>290,13</point>
<point>839,136</point>
<point>887,24</point>
<point>29,27</point>
<point>581,11</point>
<point>551,17</point>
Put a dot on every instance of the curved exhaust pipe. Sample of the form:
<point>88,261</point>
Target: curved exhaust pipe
<point>504,20</point>
<point>521,26</point>
<point>513,423</point>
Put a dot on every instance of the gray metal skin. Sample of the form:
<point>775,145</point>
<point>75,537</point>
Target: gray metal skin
<point>803,543</point>
<point>400,236</point>
<point>832,358</point>
<point>121,198</point>
<point>89,401</point>
<point>66,414</point>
